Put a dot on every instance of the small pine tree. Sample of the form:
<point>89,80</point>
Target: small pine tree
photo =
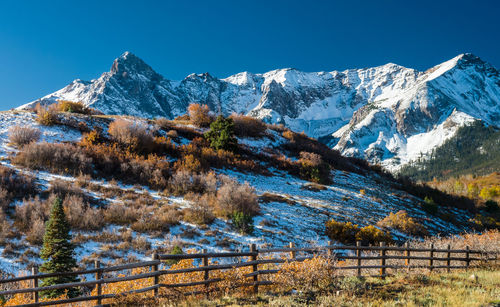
<point>58,252</point>
<point>221,134</point>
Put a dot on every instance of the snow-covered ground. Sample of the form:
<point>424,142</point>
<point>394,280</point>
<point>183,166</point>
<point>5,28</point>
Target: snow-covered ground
<point>363,200</point>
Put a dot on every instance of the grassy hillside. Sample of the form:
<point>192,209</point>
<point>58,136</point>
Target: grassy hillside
<point>475,149</point>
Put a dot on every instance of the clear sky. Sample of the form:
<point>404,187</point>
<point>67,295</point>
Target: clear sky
<point>44,45</point>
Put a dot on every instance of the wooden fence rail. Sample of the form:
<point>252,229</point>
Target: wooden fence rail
<point>381,253</point>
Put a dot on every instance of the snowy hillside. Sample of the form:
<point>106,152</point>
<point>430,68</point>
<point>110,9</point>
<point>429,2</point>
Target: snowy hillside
<point>291,209</point>
<point>388,114</point>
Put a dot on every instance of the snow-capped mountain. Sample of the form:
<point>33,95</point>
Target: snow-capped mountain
<point>387,114</point>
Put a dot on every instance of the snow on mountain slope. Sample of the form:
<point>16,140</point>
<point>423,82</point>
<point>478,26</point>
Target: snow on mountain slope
<point>370,113</point>
<point>395,131</point>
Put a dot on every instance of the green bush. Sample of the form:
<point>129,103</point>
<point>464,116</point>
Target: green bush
<point>221,134</point>
<point>177,250</point>
<point>58,253</point>
<point>242,222</point>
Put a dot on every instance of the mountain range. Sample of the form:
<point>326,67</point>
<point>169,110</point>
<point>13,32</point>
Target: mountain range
<point>390,114</point>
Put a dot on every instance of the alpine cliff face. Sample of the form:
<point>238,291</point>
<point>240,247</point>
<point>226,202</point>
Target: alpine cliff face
<point>388,114</point>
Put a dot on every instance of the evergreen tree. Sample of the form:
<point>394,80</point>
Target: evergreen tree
<point>58,252</point>
<point>221,134</point>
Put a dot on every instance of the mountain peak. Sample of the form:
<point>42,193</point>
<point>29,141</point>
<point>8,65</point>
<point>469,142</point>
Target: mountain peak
<point>130,63</point>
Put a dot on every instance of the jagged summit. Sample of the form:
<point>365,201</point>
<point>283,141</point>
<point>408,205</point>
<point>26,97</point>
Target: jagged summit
<point>129,63</point>
<point>388,114</point>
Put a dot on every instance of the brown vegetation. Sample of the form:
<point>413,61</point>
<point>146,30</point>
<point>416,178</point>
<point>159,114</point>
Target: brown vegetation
<point>22,135</point>
<point>199,115</point>
<point>248,126</point>
<point>46,115</point>
<point>14,185</point>
<point>134,135</point>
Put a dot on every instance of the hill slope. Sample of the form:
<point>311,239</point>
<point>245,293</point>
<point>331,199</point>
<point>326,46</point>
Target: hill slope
<point>124,204</point>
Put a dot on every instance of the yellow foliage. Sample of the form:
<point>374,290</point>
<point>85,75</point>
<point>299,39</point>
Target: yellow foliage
<point>315,274</point>
<point>371,235</point>
<point>404,223</point>
<point>91,138</point>
<point>200,115</point>
<point>189,163</point>
<point>27,298</point>
<point>72,107</point>
<point>342,232</point>
<point>46,116</point>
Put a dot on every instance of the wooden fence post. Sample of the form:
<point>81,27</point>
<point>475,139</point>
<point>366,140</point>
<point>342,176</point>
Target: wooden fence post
<point>382,259</point>
<point>253,249</point>
<point>292,253</point>
<point>467,256</point>
<point>358,255</point>
<point>34,271</point>
<point>448,255</point>
<point>431,259</point>
<point>407,253</point>
<point>205,275</point>
<point>98,276</point>
<point>156,279</point>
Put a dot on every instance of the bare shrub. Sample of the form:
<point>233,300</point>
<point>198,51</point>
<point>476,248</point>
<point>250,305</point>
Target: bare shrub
<point>46,115</point>
<point>133,134</point>
<point>233,197</point>
<point>164,123</point>
<point>247,125</point>
<point>201,210</point>
<point>35,233</point>
<point>30,217</point>
<point>160,220</point>
<point>403,222</point>
<point>183,182</point>
<point>121,215</point>
<point>14,185</point>
<point>22,135</point>
<point>56,157</point>
<point>199,115</point>
<point>81,215</point>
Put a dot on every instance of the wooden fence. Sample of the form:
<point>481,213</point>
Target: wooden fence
<point>364,260</point>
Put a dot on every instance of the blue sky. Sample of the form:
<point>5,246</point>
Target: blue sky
<point>44,45</point>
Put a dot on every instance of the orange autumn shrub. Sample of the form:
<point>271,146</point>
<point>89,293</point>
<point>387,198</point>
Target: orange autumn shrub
<point>315,274</point>
<point>247,125</point>
<point>199,115</point>
<point>27,298</point>
<point>127,286</point>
